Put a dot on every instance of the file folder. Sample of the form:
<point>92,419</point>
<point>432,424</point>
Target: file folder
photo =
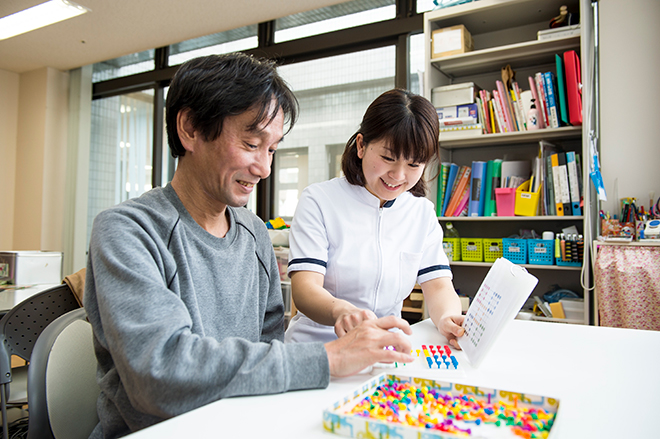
<point>574,183</point>
<point>561,91</point>
<point>573,87</point>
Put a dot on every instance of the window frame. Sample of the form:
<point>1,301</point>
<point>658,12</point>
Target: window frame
<point>385,33</point>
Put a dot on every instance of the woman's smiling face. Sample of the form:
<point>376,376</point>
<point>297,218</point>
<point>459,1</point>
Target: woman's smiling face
<point>385,175</point>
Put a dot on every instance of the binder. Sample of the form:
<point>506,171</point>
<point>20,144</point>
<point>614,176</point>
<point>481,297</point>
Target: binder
<point>563,180</point>
<point>493,172</point>
<point>549,88</point>
<point>451,178</point>
<point>573,87</point>
<point>477,189</point>
<point>573,181</point>
<point>561,91</point>
<point>559,205</point>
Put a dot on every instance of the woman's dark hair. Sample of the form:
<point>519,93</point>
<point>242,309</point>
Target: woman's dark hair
<point>408,122</point>
<point>216,86</point>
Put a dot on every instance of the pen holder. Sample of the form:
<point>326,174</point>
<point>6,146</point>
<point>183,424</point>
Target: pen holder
<point>505,199</point>
<point>527,202</point>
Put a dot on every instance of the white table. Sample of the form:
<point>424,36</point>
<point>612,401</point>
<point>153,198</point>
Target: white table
<point>606,379</point>
<point>11,297</point>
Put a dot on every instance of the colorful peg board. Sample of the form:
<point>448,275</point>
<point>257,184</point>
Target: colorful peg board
<point>434,357</point>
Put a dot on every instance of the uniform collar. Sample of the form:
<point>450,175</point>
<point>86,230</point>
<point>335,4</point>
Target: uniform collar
<point>367,197</point>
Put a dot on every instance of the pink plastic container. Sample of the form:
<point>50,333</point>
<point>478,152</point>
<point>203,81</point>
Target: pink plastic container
<point>505,198</point>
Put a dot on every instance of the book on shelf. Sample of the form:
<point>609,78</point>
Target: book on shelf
<point>467,120</point>
<point>537,101</point>
<point>503,96</point>
<point>442,185</point>
<point>521,114</point>
<point>543,101</point>
<point>550,93</point>
<point>558,32</point>
<point>458,192</point>
<point>500,116</point>
<point>451,179</point>
<point>573,87</point>
<point>477,189</point>
<point>561,90</point>
<point>462,207</point>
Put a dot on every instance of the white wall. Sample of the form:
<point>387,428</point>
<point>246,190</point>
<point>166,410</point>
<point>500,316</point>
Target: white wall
<point>629,93</point>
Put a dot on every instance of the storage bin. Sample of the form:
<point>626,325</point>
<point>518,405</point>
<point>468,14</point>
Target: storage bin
<point>472,249</point>
<point>541,251</point>
<point>527,203</point>
<point>452,248</point>
<point>515,250</point>
<point>493,249</point>
<point>505,199</point>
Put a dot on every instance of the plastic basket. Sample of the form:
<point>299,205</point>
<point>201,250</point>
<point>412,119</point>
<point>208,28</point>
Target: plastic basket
<point>472,249</point>
<point>541,251</point>
<point>515,250</point>
<point>493,249</point>
<point>452,248</point>
<point>569,263</point>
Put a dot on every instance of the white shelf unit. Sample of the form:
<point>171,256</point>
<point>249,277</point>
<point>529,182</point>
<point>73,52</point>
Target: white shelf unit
<point>505,32</point>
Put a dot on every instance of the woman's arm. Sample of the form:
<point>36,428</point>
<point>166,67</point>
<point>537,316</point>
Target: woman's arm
<point>319,305</point>
<point>444,307</point>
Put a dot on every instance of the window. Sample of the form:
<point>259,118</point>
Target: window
<point>333,93</point>
<point>120,150</point>
<point>342,16</point>
<point>124,66</point>
<point>416,59</point>
<point>223,42</point>
<point>291,166</point>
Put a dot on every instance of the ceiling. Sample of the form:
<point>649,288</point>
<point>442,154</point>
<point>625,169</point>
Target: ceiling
<point>115,28</point>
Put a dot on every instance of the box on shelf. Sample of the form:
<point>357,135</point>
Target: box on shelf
<point>452,248</point>
<point>454,94</point>
<point>31,267</point>
<point>493,249</point>
<point>541,251</point>
<point>451,41</point>
<point>457,132</point>
<point>573,308</point>
<point>527,203</point>
<point>505,200</point>
<point>472,249</point>
<point>458,111</point>
<point>515,250</point>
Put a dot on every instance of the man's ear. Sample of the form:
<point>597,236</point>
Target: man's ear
<point>185,130</point>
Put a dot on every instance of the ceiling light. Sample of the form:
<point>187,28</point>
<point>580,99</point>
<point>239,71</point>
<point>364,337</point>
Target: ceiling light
<point>51,12</point>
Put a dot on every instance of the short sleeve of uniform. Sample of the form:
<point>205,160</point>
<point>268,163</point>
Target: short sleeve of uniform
<point>434,260</point>
<point>308,238</point>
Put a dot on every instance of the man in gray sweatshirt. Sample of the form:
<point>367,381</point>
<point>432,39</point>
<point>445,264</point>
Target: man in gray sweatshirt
<point>182,287</point>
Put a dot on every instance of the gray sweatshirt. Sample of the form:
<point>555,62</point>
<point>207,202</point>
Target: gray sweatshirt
<point>182,318</point>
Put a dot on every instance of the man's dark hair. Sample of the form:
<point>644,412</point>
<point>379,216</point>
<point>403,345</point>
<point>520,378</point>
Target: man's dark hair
<point>408,122</point>
<point>216,86</point>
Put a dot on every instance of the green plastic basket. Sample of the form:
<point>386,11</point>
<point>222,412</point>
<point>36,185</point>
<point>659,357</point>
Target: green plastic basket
<point>492,249</point>
<point>472,249</point>
<point>452,248</point>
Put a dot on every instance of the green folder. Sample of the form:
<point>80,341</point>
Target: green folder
<point>561,86</point>
<point>442,187</point>
<point>493,175</point>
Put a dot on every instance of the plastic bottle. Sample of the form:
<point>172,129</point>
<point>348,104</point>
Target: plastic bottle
<point>533,117</point>
<point>451,231</point>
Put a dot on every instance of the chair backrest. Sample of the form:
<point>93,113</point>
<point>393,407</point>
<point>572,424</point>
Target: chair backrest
<point>62,387</point>
<point>21,326</point>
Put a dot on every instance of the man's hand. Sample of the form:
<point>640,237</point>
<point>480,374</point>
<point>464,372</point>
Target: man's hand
<point>365,345</point>
<point>450,327</point>
<point>349,320</point>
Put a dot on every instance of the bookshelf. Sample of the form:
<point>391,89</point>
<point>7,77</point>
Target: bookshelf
<point>505,32</point>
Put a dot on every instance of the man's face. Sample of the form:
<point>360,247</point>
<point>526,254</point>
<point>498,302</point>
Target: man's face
<point>231,166</point>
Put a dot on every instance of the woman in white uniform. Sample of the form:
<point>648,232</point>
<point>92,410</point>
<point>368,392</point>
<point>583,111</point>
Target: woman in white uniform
<point>359,243</point>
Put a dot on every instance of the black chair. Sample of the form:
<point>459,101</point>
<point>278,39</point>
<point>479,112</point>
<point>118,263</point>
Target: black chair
<point>62,387</point>
<point>19,330</point>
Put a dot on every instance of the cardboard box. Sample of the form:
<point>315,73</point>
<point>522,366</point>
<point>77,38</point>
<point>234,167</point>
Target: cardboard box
<point>455,94</point>
<point>31,267</point>
<point>451,41</point>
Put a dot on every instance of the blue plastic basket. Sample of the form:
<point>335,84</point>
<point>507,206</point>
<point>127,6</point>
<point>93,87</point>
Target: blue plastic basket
<point>515,250</point>
<point>541,251</point>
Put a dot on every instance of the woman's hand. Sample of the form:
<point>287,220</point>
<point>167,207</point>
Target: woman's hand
<point>450,327</point>
<point>352,318</point>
